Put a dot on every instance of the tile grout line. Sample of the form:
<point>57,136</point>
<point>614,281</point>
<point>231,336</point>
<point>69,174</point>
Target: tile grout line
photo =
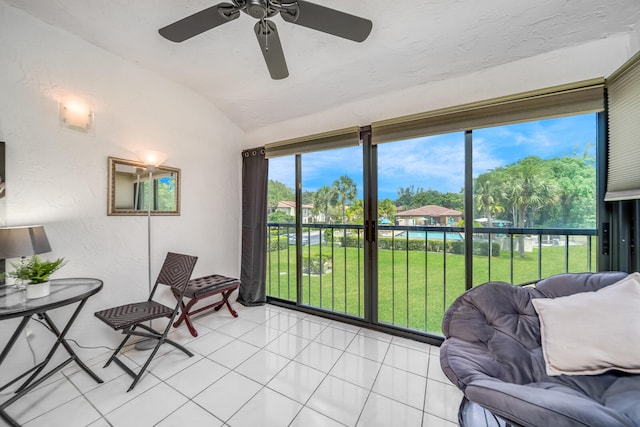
<point>373,385</point>
<point>313,338</point>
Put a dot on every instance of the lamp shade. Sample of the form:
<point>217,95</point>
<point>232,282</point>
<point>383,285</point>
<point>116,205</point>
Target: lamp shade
<point>23,241</point>
<point>151,157</point>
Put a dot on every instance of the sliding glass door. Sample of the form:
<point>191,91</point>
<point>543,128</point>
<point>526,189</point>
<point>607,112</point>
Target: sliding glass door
<point>332,234</point>
<point>316,233</point>
<point>391,231</point>
<point>420,239</point>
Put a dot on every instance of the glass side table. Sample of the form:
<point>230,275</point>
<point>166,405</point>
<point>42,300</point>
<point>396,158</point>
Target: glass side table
<point>13,304</point>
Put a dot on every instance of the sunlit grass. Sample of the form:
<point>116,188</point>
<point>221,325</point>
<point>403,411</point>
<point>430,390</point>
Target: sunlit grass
<point>411,284</point>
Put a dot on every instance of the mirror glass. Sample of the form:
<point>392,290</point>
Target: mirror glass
<point>133,188</point>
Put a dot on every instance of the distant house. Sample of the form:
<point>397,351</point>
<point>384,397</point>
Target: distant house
<point>429,215</point>
<point>290,209</point>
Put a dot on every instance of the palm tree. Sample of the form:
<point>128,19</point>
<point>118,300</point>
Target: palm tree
<point>527,189</point>
<point>344,191</point>
<point>485,195</point>
<point>321,201</point>
<point>355,212</point>
<point>486,198</point>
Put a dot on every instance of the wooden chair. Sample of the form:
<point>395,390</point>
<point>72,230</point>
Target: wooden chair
<point>129,318</point>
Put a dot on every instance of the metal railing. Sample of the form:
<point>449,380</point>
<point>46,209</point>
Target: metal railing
<point>332,274</point>
<point>421,269</point>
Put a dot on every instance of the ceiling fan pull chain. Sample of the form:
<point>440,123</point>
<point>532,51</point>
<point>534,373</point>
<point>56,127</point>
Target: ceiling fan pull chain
<point>266,34</point>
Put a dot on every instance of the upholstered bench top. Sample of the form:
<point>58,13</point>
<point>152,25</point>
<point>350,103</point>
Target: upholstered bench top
<point>214,283</point>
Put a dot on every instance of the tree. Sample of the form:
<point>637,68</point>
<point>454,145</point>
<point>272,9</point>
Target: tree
<point>278,192</point>
<point>526,188</point>
<point>405,196</point>
<point>322,201</point>
<point>308,197</point>
<point>411,198</point>
<point>344,192</point>
<point>576,179</point>
<point>280,218</point>
<point>355,212</point>
<point>486,196</point>
<point>386,209</point>
<point>166,194</point>
<point>452,200</point>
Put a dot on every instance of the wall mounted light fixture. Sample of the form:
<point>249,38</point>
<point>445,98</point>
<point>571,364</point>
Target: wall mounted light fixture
<point>75,115</point>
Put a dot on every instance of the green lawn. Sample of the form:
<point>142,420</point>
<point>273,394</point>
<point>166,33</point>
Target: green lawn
<point>411,284</point>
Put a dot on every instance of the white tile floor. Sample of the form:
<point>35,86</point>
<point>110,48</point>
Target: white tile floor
<point>269,367</point>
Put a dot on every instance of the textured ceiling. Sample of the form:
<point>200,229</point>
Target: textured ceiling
<point>412,43</point>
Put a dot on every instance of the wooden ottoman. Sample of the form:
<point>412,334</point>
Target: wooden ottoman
<point>203,287</point>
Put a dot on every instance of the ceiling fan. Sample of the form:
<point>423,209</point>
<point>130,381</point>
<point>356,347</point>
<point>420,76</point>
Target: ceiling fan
<point>298,12</point>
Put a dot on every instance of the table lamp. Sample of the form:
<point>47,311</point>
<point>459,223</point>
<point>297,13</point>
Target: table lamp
<point>18,242</point>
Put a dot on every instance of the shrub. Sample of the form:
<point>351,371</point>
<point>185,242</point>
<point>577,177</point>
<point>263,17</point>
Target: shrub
<point>280,243</point>
<point>316,265</point>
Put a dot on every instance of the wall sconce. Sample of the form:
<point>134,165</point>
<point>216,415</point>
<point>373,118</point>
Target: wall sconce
<point>75,115</point>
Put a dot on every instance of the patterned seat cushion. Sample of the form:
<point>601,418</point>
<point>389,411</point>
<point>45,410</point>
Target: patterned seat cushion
<point>127,315</point>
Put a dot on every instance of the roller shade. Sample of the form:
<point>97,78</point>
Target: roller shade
<point>577,98</point>
<point>349,137</point>
<point>623,104</point>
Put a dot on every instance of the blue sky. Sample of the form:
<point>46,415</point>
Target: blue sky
<point>437,162</point>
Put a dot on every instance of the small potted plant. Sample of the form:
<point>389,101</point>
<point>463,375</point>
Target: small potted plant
<point>35,273</point>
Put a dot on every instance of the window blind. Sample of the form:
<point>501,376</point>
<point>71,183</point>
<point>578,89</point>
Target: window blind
<point>623,104</point>
<point>349,137</point>
<point>558,101</point>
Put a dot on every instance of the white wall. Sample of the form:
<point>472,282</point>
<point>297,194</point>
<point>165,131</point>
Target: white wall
<point>58,177</point>
<point>634,44</point>
<point>591,60</point>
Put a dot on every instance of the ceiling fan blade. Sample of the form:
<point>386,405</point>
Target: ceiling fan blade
<point>200,22</point>
<point>327,20</point>
<point>271,48</point>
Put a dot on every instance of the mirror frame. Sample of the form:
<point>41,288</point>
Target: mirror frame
<point>111,199</point>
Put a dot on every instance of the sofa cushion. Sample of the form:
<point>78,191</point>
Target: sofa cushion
<point>592,332</point>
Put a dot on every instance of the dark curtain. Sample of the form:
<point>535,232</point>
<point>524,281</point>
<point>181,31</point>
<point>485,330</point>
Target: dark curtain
<point>255,170</point>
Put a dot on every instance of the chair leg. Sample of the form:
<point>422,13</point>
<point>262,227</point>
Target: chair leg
<point>225,301</point>
<point>178,346</point>
<point>145,366</point>
<point>115,353</point>
<point>124,367</point>
<point>162,339</point>
<point>184,315</point>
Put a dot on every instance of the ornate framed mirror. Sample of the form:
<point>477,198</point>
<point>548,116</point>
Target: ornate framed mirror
<point>134,188</point>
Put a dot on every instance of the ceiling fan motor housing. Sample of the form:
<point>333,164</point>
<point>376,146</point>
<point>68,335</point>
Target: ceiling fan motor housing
<point>258,8</point>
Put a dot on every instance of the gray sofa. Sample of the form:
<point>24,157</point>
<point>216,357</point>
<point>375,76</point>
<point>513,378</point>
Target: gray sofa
<point>492,352</point>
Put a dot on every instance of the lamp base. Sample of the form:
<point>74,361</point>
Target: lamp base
<point>145,344</point>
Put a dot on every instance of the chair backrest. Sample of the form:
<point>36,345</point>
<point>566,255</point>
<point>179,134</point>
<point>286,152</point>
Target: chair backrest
<point>176,271</point>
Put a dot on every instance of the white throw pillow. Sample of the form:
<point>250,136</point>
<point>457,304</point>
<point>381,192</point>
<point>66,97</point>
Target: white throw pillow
<point>592,332</point>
